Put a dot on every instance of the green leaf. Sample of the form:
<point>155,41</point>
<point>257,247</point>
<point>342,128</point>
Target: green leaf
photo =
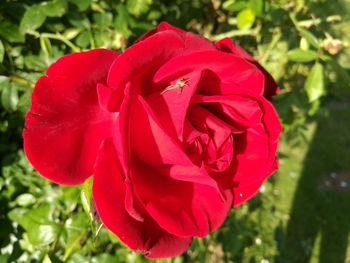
<point>42,214</point>
<point>32,19</point>
<point>4,258</point>
<point>10,32</point>
<point>83,40</point>
<point>86,197</point>
<point>103,20</point>
<point>47,259</point>
<point>105,258</point>
<point>55,8</point>
<point>75,228</point>
<point>121,21</point>
<point>257,6</point>
<point>314,85</point>
<point>138,7</point>
<point>79,20</point>
<point>310,38</point>
<point>2,52</point>
<point>25,199</point>
<point>234,6</point>
<point>154,15</point>
<point>41,235</point>
<point>17,214</point>
<point>102,39</point>
<point>315,106</point>
<point>245,19</point>
<point>34,63</point>
<point>77,258</point>
<point>3,79</point>
<point>38,224</point>
<point>300,55</point>
<point>81,4</point>
<point>9,96</point>
<point>24,101</point>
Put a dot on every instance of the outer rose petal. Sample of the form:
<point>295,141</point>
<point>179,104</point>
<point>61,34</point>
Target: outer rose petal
<point>183,208</point>
<point>146,58</point>
<point>109,195</point>
<point>163,26</point>
<point>65,125</point>
<point>226,45</point>
<point>193,42</point>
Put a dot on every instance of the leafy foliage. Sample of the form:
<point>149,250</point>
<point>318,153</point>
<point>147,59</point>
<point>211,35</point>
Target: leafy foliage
<point>302,43</point>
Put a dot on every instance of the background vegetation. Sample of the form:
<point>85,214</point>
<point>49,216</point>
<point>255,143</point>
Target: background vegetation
<point>301,214</point>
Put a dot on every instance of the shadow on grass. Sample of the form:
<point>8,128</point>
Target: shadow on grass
<point>319,223</point>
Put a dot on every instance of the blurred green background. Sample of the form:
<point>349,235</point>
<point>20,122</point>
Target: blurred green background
<point>301,214</point>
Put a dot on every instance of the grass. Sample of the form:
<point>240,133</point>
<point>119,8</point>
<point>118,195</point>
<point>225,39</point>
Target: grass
<point>314,192</point>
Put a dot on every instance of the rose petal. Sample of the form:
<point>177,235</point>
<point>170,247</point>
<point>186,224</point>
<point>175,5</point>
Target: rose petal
<point>255,149</point>
<point>237,110</point>
<point>109,195</point>
<point>182,208</point>
<point>192,42</point>
<point>246,190</point>
<point>65,125</point>
<point>250,111</point>
<point>230,69</point>
<point>163,26</point>
<point>149,141</point>
<point>151,144</point>
<point>146,57</point>
<point>226,45</point>
<point>170,107</point>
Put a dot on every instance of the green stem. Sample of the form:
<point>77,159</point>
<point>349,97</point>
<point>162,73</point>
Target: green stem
<point>276,37</point>
<point>61,38</point>
<point>235,33</point>
<point>21,80</point>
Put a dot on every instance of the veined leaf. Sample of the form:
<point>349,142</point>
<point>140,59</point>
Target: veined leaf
<point>314,85</point>
<point>301,55</point>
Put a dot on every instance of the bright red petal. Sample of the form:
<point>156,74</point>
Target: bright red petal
<point>158,172</point>
<point>65,124</point>
<point>192,42</point>
<point>255,148</point>
<point>138,63</point>
<point>183,208</point>
<point>231,70</point>
<point>109,196</point>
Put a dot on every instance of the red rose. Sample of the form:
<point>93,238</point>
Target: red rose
<point>176,131</point>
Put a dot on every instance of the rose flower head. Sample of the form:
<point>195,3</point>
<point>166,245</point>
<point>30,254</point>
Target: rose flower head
<point>175,132</point>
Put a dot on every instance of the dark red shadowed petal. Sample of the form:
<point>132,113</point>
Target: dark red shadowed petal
<point>226,45</point>
<point>65,124</point>
<point>109,195</point>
